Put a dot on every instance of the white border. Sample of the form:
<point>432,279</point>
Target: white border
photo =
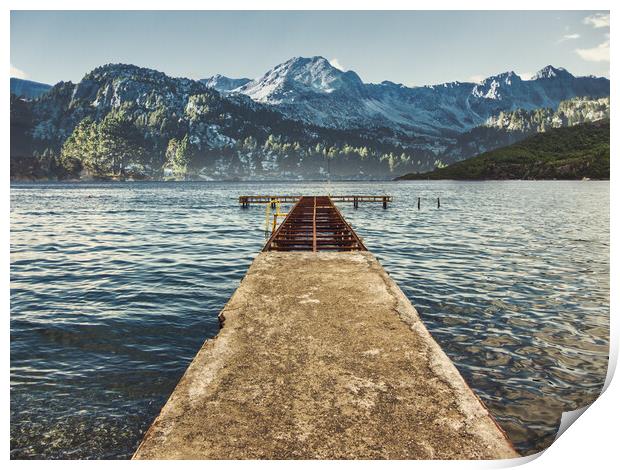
<point>590,443</point>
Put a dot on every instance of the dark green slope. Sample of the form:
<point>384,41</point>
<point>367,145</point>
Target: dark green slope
<point>575,152</point>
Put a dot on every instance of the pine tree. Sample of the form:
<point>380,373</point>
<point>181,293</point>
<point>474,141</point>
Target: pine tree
<point>363,152</point>
<point>76,148</point>
<point>182,158</point>
<point>171,151</point>
<point>120,143</point>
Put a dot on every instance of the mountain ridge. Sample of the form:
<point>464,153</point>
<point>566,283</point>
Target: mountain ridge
<point>27,88</point>
<point>313,91</point>
<point>236,136</point>
<point>153,114</point>
<point>222,83</point>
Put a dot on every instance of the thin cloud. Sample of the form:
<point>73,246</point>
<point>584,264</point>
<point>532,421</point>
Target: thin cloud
<point>17,73</point>
<point>568,37</point>
<point>599,53</point>
<point>598,20</point>
<point>334,63</point>
<point>476,78</point>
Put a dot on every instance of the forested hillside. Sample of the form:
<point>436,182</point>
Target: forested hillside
<point>125,121</point>
<point>122,121</point>
<point>576,152</point>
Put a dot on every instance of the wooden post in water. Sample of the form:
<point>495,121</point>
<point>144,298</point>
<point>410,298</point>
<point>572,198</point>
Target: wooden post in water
<point>355,202</point>
<point>438,203</point>
<point>418,203</point>
<point>384,202</point>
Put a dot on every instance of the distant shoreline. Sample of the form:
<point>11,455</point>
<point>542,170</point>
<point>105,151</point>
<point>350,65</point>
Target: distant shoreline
<point>80,181</point>
<point>400,178</point>
<point>395,180</point>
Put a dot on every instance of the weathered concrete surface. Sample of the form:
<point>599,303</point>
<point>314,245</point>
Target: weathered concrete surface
<point>322,357</point>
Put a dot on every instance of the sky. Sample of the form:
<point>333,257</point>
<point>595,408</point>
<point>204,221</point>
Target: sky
<point>412,47</point>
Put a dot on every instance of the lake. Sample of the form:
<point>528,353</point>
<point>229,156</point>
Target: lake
<point>115,286</point>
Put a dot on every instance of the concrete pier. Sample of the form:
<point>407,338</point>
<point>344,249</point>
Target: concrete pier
<point>321,356</point>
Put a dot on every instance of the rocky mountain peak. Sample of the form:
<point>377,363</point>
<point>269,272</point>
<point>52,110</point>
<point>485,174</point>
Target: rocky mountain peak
<point>224,84</point>
<point>305,75</point>
<point>110,71</point>
<point>505,77</point>
<point>491,87</point>
<point>550,72</point>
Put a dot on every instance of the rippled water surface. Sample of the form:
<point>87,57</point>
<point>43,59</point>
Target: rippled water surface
<point>114,287</point>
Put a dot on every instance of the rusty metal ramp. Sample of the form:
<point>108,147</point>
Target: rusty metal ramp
<point>314,224</point>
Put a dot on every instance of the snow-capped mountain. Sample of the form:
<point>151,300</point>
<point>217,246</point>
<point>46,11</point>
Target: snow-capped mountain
<point>312,90</point>
<point>551,72</point>
<point>224,84</point>
<point>300,77</point>
<point>277,125</point>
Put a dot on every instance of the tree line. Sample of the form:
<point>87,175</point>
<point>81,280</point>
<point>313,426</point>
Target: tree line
<point>116,148</point>
<point>109,148</point>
